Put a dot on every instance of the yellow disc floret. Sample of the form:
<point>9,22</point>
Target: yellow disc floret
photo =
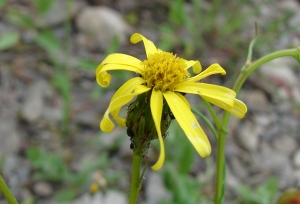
<point>164,71</point>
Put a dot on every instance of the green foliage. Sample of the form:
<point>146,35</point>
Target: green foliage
<point>3,3</point>
<point>114,46</point>
<point>89,65</point>
<point>19,18</point>
<point>65,195</point>
<point>48,41</point>
<point>184,188</point>
<point>52,167</point>
<point>263,194</point>
<point>9,40</point>
<point>177,167</point>
<point>42,6</point>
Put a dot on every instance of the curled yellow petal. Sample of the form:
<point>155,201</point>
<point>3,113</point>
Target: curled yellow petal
<point>122,96</point>
<point>188,123</point>
<point>149,45</point>
<point>195,65</point>
<point>156,105</point>
<point>117,61</point>
<point>212,69</point>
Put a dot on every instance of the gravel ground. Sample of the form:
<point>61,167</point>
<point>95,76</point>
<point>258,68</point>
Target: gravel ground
<point>264,144</point>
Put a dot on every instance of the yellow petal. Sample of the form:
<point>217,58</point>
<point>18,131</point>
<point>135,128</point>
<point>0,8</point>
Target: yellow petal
<point>156,105</point>
<point>120,98</point>
<point>123,59</point>
<point>195,64</point>
<point>183,99</point>
<point>239,109</point>
<point>117,61</point>
<point>126,88</point>
<point>218,95</point>
<point>149,45</point>
<point>212,69</point>
<point>188,123</point>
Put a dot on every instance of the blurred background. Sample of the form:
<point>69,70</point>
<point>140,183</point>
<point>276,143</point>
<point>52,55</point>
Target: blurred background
<point>51,148</point>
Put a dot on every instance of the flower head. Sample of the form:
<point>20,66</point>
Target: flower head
<point>163,77</point>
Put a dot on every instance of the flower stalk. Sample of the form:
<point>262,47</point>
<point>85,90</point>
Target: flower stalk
<point>220,177</point>
<point>6,192</point>
<point>135,180</point>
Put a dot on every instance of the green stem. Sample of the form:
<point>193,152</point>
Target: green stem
<point>220,177</point>
<point>213,114</point>
<point>135,181</point>
<point>6,192</point>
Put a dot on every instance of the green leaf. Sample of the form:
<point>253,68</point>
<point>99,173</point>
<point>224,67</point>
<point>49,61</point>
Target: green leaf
<point>8,40</point>
<point>3,3</point>
<point>87,64</point>
<point>61,82</point>
<point>177,14</point>
<point>19,18</point>
<point>48,41</point>
<point>42,6</point>
<point>114,46</point>
<point>33,155</point>
<point>65,195</point>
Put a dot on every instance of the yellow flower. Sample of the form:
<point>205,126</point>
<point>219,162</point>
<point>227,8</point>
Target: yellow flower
<point>165,76</point>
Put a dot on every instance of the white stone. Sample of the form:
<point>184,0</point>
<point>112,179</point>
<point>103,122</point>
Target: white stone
<point>113,196</point>
<point>297,159</point>
<point>155,190</point>
<point>101,24</point>
<point>248,135</point>
<point>281,69</point>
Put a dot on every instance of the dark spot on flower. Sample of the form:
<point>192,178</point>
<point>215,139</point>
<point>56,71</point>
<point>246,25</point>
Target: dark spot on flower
<point>132,145</point>
<point>130,132</point>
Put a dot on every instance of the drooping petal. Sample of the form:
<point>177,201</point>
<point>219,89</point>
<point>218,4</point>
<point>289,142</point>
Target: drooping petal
<point>212,69</point>
<point>117,61</point>
<point>239,109</point>
<point>188,123</point>
<point>218,95</point>
<point>106,125</point>
<point>156,105</point>
<point>195,64</point>
<point>126,88</point>
<point>149,45</point>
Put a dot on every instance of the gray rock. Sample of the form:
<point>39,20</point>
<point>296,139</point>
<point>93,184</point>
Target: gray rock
<point>43,188</point>
<point>273,161</point>
<point>99,26</point>
<point>255,100</point>
<point>231,179</point>
<point>89,199</point>
<point>155,188</point>
<point>52,114</point>
<point>110,197</point>
<point>16,177</point>
<point>58,13</point>
<point>113,196</point>
<point>238,168</point>
<point>296,159</point>
<point>33,106</point>
<point>281,69</point>
<point>10,139</point>
<point>285,143</point>
<point>248,135</point>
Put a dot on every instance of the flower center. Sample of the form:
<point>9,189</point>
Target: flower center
<point>164,71</point>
